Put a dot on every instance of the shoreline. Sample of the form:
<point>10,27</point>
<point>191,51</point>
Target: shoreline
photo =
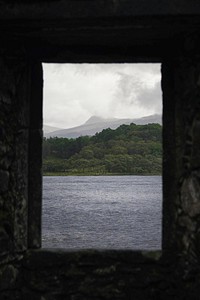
<point>91,174</point>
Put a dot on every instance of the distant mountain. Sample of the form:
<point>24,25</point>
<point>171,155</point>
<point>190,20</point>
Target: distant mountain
<point>97,124</point>
<point>47,129</point>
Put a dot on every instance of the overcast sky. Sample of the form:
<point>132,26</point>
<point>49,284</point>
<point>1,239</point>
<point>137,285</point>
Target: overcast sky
<point>75,92</point>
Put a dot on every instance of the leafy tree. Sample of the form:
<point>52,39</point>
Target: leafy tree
<point>129,149</point>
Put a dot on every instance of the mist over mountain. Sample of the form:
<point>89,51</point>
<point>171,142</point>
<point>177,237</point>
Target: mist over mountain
<point>95,119</point>
<point>96,124</point>
<point>48,129</point>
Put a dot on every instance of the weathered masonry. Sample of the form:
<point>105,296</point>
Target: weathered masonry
<point>60,31</point>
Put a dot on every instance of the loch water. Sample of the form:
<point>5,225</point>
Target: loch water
<point>103,212</point>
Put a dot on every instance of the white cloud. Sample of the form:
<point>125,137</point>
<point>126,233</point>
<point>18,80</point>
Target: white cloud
<point>74,92</point>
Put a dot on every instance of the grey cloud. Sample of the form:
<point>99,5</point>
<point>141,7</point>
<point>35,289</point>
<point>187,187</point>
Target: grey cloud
<point>73,92</point>
<point>151,98</point>
<point>128,88</point>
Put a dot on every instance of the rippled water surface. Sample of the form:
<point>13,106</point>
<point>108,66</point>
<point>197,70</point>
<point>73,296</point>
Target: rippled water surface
<point>118,212</point>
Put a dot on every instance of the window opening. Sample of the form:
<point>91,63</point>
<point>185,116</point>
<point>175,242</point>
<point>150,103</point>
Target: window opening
<point>102,190</point>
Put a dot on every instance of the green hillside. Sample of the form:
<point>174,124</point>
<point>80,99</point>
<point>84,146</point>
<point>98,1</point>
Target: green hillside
<point>129,149</point>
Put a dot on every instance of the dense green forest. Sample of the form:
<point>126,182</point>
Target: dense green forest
<point>129,149</point>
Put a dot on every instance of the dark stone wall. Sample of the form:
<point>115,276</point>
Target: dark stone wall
<point>125,32</point>
<point>100,275</point>
<point>181,181</point>
<point>181,95</point>
<point>20,167</point>
<point>14,136</point>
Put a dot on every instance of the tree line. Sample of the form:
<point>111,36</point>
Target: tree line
<point>129,149</point>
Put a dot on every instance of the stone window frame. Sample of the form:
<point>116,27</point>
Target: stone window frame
<point>35,158</point>
<point>99,31</point>
<point>35,148</point>
<point>171,162</point>
<point>122,271</point>
<point>107,31</point>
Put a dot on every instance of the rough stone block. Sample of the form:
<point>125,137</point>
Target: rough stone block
<point>8,276</point>
<point>196,142</point>
<point>4,241</point>
<point>190,195</point>
<point>4,181</point>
